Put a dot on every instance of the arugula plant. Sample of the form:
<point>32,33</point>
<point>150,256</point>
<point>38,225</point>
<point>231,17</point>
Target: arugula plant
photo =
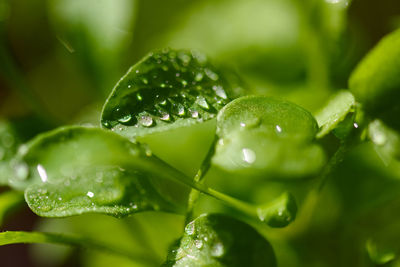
<point>257,139</point>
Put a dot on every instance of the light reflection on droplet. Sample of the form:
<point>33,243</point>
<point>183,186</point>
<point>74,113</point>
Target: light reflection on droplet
<point>355,125</point>
<point>42,173</point>
<point>278,128</point>
<point>249,155</point>
<point>90,194</point>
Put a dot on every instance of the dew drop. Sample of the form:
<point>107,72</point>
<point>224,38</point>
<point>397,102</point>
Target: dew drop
<point>146,121</point>
<point>184,83</point>
<point>195,114</point>
<point>163,103</point>
<point>355,125</point>
<point>42,173</point>
<point>219,91</point>
<point>212,75</point>
<point>90,194</point>
<point>106,124</point>
<point>184,58</point>
<point>137,71</point>
<point>217,250</point>
<point>181,110</point>
<point>165,117</point>
<point>189,229</point>
<point>126,119</point>
<point>199,244</point>
<point>199,76</point>
<point>145,81</point>
<point>248,155</point>
<point>21,171</point>
<point>202,102</point>
<point>139,97</point>
<point>163,85</point>
<point>278,128</point>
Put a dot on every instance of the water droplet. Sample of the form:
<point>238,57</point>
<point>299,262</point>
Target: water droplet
<point>126,119</point>
<point>137,71</point>
<point>181,110</point>
<point>217,250</point>
<point>163,103</point>
<point>177,74</point>
<point>106,124</point>
<point>146,121</point>
<point>219,91</point>
<point>278,128</point>
<point>42,173</point>
<point>248,155</point>
<point>190,228</point>
<point>199,244</point>
<point>45,208</point>
<point>184,58</point>
<point>139,97</point>
<point>355,125</point>
<point>21,171</point>
<point>202,102</point>
<point>195,114</point>
<point>60,198</point>
<point>129,86</point>
<point>184,83</point>
<point>90,194</point>
<point>199,76</point>
<point>145,81</point>
<point>212,75</point>
<point>251,123</point>
<point>163,85</point>
<point>165,117</point>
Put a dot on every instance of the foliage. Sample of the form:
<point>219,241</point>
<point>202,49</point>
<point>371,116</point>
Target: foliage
<point>280,149</point>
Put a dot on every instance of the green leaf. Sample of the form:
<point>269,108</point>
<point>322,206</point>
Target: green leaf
<point>267,137</point>
<point>75,170</point>
<point>334,112</point>
<point>378,253</point>
<point>166,90</point>
<point>386,141</point>
<point>18,237</point>
<point>219,240</point>
<point>9,201</point>
<point>376,80</point>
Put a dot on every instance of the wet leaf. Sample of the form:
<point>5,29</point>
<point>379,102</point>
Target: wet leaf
<point>166,90</point>
<point>76,170</point>
<point>267,137</point>
<point>376,80</point>
<point>334,112</point>
<point>219,240</point>
<point>386,141</point>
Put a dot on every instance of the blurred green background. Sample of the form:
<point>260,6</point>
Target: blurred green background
<point>59,60</point>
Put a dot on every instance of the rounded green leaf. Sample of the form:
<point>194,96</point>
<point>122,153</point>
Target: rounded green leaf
<point>219,240</point>
<point>262,136</point>
<point>167,89</point>
<point>376,80</point>
<point>76,170</point>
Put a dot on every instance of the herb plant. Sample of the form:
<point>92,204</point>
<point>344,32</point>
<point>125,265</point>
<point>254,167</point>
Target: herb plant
<point>270,181</point>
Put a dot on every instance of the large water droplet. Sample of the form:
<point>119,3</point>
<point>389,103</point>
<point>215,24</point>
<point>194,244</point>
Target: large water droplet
<point>202,102</point>
<point>248,155</point>
<point>217,250</point>
<point>146,120</point>
<point>184,58</point>
<point>165,117</point>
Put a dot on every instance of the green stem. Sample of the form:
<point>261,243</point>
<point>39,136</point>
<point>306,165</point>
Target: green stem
<point>195,194</point>
<point>17,237</point>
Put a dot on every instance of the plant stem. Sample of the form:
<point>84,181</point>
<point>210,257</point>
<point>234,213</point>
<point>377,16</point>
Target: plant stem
<point>194,194</point>
<point>17,237</point>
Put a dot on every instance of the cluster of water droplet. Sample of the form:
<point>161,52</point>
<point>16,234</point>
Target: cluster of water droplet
<point>166,86</point>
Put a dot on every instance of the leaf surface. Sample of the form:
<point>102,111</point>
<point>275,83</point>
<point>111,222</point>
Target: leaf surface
<point>219,240</point>
<point>266,136</point>
<point>166,90</point>
<point>76,170</point>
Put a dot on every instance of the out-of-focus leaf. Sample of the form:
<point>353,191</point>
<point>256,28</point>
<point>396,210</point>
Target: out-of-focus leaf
<point>376,80</point>
<point>266,137</point>
<point>76,170</point>
<point>8,202</point>
<point>166,90</point>
<point>97,31</point>
<point>219,240</point>
<point>378,253</point>
<point>386,141</point>
<point>334,112</point>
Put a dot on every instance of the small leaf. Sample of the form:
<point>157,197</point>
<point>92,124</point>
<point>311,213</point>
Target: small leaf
<point>262,136</point>
<point>376,80</point>
<point>219,240</point>
<point>334,112</point>
<point>166,90</point>
<point>386,141</point>
<point>76,170</point>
